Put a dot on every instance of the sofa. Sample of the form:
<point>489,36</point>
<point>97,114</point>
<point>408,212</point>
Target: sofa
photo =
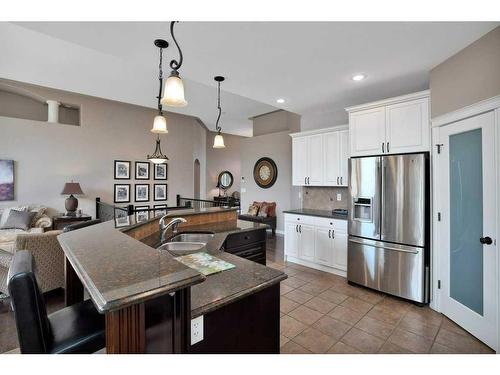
<point>49,258</point>
<point>263,213</point>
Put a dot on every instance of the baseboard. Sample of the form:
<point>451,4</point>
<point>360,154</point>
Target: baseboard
<point>315,266</point>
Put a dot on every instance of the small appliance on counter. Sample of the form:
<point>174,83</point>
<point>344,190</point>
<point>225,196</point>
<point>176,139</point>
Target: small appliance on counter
<point>389,235</point>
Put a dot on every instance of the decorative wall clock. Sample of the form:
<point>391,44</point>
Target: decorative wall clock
<point>265,172</point>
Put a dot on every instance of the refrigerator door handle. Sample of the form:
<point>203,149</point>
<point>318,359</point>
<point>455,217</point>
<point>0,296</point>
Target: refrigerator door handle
<point>383,247</point>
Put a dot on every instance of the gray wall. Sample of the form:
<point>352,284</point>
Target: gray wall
<point>48,155</point>
<point>471,75</point>
<point>276,122</point>
<point>223,159</point>
<point>277,146</point>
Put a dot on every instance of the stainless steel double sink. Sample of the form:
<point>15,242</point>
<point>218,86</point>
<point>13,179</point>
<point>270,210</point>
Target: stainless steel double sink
<point>186,243</point>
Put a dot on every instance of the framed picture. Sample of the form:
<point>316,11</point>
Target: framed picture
<point>122,221</point>
<point>141,213</point>
<point>160,209</point>
<point>122,193</point>
<point>141,192</point>
<point>6,180</point>
<point>160,192</point>
<point>142,170</point>
<point>160,171</point>
<point>122,170</point>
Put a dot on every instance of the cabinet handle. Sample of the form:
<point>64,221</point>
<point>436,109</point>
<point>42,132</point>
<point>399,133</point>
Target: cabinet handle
<point>333,234</point>
<point>329,233</point>
<point>305,180</point>
<point>308,180</point>
<point>300,228</point>
<point>297,228</point>
<point>387,146</point>
<point>382,147</point>
<point>340,180</point>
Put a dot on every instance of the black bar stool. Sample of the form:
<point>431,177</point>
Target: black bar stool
<point>75,329</point>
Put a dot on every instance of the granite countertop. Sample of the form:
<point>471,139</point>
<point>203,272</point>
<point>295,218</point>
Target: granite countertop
<point>225,287</point>
<point>118,270</point>
<point>320,213</point>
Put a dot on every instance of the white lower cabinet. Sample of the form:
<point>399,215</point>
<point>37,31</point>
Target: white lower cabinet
<point>319,243</point>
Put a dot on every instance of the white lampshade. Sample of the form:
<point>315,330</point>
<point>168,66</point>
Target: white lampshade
<point>158,160</point>
<point>219,141</point>
<point>173,95</point>
<point>159,125</point>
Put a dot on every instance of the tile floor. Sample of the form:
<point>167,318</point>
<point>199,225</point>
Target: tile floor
<point>322,313</point>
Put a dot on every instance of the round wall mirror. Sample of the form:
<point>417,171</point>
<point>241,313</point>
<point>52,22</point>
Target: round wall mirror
<point>225,180</point>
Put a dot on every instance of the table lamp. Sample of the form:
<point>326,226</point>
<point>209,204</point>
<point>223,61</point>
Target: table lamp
<point>71,203</point>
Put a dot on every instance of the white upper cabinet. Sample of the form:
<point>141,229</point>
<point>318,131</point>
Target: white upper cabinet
<point>299,161</point>
<point>320,157</point>
<point>314,155</point>
<point>391,126</point>
<point>407,127</point>
<point>332,170</point>
<point>367,131</point>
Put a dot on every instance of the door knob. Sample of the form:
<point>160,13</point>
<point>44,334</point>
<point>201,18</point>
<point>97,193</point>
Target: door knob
<point>486,240</point>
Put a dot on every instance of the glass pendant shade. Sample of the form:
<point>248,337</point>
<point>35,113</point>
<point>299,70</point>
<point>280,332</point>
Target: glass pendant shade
<point>219,141</point>
<point>173,95</point>
<point>159,125</point>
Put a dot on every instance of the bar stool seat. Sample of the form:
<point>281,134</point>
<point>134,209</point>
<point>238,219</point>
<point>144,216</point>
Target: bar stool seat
<point>75,329</point>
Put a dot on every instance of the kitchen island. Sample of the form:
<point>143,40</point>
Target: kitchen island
<point>149,298</point>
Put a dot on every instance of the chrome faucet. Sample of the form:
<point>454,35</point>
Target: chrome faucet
<point>172,224</point>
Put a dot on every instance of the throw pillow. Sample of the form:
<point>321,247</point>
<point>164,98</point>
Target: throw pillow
<point>263,211</point>
<point>39,212</point>
<point>6,213</point>
<point>19,220</point>
<point>270,208</point>
<point>253,210</point>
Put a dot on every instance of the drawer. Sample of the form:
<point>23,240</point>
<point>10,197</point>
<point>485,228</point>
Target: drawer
<point>245,238</point>
<point>302,219</point>
<point>244,251</point>
<point>340,225</point>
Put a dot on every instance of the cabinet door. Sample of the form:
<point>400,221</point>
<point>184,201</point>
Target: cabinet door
<point>340,250</point>
<point>299,161</point>
<point>408,127</point>
<point>343,157</point>
<point>323,246</point>
<point>367,132</point>
<point>315,160</point>
<point>306,243</point>
<point>331,159</point>
<point>291,239</point>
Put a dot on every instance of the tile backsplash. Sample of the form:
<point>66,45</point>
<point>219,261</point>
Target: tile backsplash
<point>323,198</point>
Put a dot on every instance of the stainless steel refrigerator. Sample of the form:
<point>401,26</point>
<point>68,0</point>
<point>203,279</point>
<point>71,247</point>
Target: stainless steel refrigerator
<point>388,247</point>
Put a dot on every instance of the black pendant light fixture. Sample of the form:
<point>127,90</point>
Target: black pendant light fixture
<point>174,88</point>
<point>160,123</point>
<point>218,139</point>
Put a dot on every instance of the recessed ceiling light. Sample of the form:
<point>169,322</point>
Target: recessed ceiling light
<point>280,100</point>
<point>358,77</point>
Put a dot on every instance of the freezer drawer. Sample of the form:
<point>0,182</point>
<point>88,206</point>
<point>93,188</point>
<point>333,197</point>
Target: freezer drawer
<point>390,268</point>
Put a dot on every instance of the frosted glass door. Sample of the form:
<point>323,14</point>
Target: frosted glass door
<point>466,182</point>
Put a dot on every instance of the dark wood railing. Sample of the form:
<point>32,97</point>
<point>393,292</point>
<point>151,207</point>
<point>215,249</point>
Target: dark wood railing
<point>205,203</point>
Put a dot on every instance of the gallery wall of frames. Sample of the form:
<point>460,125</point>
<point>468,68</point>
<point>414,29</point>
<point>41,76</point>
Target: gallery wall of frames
<point>142,191</point>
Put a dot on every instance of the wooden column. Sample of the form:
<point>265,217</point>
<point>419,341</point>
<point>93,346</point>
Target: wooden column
<point>73,292</point>
<point>125,330</point>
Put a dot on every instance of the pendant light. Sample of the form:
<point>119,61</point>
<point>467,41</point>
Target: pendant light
<point>173,95</point>
<point>218,139</point>
<point>159,123</point>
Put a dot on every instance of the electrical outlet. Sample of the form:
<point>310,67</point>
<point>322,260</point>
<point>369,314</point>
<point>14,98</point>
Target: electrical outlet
<point>339,196</point>
<point>196,330</point>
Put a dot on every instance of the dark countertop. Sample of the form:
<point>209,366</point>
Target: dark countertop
<point>320,213</point>
<point>118,270</point>
<point>223,288</point>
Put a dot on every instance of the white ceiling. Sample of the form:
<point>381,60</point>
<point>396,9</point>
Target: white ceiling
<point>307,64</point>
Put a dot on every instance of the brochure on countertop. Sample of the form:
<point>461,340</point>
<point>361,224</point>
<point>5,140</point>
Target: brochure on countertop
<point>205,263</point>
